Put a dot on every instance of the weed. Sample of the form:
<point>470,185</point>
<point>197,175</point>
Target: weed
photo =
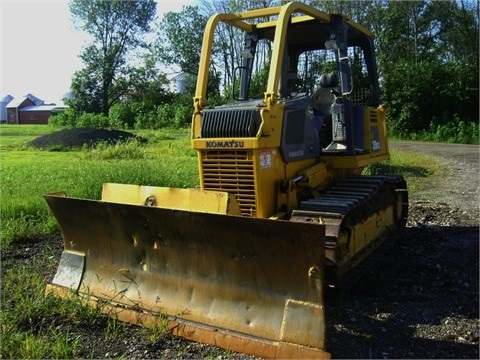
<point>124,150</point>
<point>457,131</point>
<point>158,330</point>
<point>114,328</point>
<point>31,321</point>
<point>62,346</point>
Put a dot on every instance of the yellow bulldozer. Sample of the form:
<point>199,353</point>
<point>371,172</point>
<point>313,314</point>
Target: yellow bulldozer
<point>282,211</point>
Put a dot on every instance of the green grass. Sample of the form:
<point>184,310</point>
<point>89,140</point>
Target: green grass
<point>413,167</point>
<point>32,323</point>
<point>29,325</point>
<point>27,174</point>
<point>36,326</point>
<point>15,136</point>
<point>166,160</point>
<point>25,130</point>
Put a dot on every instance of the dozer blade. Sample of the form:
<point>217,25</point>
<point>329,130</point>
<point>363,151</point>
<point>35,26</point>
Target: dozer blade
<point>245,284</point>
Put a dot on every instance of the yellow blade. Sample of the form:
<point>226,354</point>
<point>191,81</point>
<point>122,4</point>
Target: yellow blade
<point>250,285</point>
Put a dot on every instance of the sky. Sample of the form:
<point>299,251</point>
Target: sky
<point>40,46</point>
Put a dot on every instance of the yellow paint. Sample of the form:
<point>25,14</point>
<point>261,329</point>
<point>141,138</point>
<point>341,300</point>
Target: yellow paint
<point>172,198</point>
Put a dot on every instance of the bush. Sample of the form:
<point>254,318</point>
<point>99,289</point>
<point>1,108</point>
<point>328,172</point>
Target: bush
<point>177,113</point>
<point>65,119</point>
<point>460,132</point>
<point>183,116</point>
<point>70,119</point>
<point>173,115</point>
<point>122,116</point>
<point>92,120</point>
<point>165,115</point>
<point>149,120</point>
<point>455,132</point>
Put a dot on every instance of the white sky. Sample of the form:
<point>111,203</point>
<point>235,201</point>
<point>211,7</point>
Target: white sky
<point>40,47</point>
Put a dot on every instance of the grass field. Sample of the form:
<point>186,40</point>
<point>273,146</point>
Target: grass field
<point>27,174</point>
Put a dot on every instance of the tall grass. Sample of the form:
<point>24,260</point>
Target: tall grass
<point>29,319</point>
<point>459,132</point>
<point>25,130</point>
<point>35,326</point>
<point>28,174</point>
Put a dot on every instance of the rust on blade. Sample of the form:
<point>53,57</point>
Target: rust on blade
<point>240,283</point>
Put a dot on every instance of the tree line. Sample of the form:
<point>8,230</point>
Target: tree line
<point>427,53</point>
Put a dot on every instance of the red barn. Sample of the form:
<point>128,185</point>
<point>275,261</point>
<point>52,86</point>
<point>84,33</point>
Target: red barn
<point>29,110</point>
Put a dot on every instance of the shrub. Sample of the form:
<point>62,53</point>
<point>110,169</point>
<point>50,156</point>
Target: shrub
<point>457,131</point>
<point>65,119</point>
<point>183,116</point>
<point>147,120</point>
<point>165,115</point>
<point>121,116</point>
<point>92,120</point>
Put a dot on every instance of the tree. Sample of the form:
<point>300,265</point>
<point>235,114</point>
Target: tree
<point>116,28</point>
<point>179,40</point>
<point>229,40</point>
<point>149,85</point>
<point>429,64</point>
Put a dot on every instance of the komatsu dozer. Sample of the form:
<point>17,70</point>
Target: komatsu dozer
<point>282,212</point>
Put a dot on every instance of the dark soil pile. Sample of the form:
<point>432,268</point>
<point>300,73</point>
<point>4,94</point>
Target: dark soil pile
<point>79,137</point>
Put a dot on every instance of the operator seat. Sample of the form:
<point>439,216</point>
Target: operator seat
<point>322,98</point>
<point>322,101</point>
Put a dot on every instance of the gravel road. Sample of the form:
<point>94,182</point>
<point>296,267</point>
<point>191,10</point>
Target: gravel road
<point>418,299</point>
<point>460,186</point>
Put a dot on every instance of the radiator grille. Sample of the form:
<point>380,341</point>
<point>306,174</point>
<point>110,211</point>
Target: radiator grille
<point>373,116</point>
<point>224,123</point>
<point>231,171</point>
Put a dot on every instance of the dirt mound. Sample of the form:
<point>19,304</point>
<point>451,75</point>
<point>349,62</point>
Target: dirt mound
<point>78,137</point>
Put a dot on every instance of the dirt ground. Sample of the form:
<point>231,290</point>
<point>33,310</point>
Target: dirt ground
<point>418,299</point>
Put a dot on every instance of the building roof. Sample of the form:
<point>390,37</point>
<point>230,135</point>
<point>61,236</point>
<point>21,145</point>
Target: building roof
<point>6,99</point>
<point>49,107</point>
<point>68,95</point>
<point>181,76</point>
<point>34,99</point>
<point>17,102</point>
